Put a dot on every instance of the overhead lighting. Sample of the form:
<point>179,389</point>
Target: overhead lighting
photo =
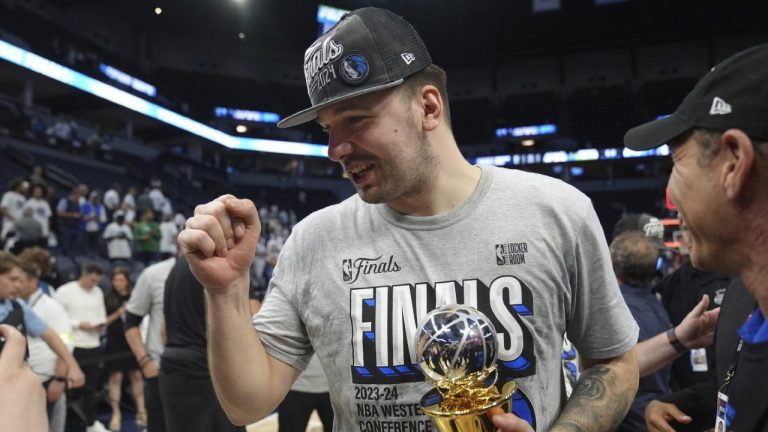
<point>158,11</point>
<point>527,142</point>
<point>241,35</point>
<point>241,129</point>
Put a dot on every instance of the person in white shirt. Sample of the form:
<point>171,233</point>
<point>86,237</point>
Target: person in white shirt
<point>112,200</point>
<point>158,198</point>
<point>118,236</point>
<point>129,205</point>
<point>83,300</point>
<point>51,369</point>
<point>41,210</point>
<point>168,234</point>
<point>12,205</point>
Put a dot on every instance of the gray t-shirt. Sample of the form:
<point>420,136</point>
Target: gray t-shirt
<point>147,298</point>
<point>354,280</point>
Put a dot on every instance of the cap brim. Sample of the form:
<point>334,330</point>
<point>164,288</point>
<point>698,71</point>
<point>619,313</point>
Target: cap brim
<point>310,114</point>
<point>656,133</point>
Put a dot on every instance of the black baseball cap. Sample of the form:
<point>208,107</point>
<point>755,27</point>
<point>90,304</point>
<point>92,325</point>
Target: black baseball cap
<point>733,94</point>
<point>644,223</point>
<point>368,50</point>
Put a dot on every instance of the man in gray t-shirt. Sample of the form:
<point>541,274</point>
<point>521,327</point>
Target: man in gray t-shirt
<point>147,300</point>
<point>425,229</point>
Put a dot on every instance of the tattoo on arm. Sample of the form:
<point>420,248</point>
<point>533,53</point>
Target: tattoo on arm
<point>592,406</point>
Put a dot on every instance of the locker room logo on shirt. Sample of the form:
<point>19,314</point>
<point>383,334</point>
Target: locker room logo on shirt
<point>511,253</point>
<point>351,269</point>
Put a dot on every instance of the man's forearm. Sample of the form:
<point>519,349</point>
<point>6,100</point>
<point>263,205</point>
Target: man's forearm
<point>133,337</point>
<point>654,353</point>
<point>59,347</point>
<point>246,394</point>
<point>602,396</point>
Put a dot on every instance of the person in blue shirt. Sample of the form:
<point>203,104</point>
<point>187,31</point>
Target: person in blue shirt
<point>18,314</point>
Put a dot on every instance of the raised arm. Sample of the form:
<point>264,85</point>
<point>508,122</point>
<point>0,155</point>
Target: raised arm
<point>220,243</point>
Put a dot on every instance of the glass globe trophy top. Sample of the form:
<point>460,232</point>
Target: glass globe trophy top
<point>457,349</point>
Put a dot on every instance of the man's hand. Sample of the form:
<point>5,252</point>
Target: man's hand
<point>55,390</point>
<point>150,369</point>
<point>697,330</point>
<point>508,422</point>
<point>658,415</point>
<point>220,242</point>
<point>22,399</point>
<point>75,376</point>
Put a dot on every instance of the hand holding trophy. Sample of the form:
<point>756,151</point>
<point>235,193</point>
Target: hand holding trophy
<point>457,349</point>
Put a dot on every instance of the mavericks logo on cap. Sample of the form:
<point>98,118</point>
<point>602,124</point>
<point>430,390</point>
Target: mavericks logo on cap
<point>354,68</point>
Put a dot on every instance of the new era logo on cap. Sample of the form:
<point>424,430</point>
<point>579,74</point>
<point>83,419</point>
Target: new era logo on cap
<point>408,57</point>
<point>720,106</point>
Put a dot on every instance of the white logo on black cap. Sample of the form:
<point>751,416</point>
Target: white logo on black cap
<point>408,57</point>
<point>720,106</point>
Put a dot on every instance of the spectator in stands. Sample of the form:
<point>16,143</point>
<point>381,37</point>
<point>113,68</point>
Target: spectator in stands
<point>112,200</point>
<point>168,234</point>
<point>158,199</point>
<point>12,205</point>
<point>147,299</point>
<point>29,232</point>
<point>41,210</point>
<point>147,235</point>
<point>94,218</point>
<point>37,177</point>
<point>120,359</point>
<point>83,300</point>
<point>119,237</point>
<point>51,369</point>
<point>69,216</point>
<point>129,205</point>
<point>61,132</point>
<point>144,202</point>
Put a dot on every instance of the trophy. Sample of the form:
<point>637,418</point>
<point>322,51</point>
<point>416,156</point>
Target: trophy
<point>457,348</point>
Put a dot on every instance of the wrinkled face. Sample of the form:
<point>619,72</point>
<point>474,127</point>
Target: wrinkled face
<point>10,283</point>
<point>700,199</point>
<point>378,142</point>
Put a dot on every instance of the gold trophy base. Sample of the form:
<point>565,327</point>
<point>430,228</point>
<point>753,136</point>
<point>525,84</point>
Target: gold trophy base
<point>473,419</point>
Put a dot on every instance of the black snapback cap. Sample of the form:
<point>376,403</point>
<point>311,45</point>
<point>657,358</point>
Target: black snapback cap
<point>733,94</point>
<point>368,50</point>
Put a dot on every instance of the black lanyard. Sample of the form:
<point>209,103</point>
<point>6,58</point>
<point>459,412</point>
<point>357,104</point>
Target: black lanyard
<point>729,374</point>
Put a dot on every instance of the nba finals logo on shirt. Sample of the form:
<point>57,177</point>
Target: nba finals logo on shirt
<point>352,269</point>
<point>318,63</point>
<point>511,253</point>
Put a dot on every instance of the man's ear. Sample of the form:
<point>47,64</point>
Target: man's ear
<point>739,159</point>
<point>432,105</point>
